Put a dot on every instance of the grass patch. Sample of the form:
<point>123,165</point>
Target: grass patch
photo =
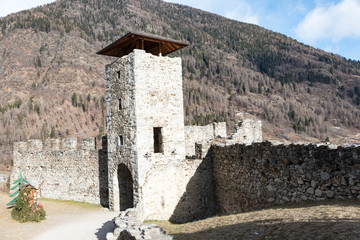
<point>73,203</point>
<point>332,219</point>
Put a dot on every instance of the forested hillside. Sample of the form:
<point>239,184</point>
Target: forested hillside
<point>52,83</point>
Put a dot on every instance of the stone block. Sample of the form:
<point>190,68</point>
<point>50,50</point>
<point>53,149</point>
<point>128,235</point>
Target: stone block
<point>313,183</point>
<point>324,176</point>
<point>330,194</point>
<point>318,192</point>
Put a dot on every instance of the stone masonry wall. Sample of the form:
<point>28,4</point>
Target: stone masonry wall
<point>121,121</point>
<point>202,135</point>
<point>179,191</point>
<point>70,170</point>
<point>159,103</point>
<point>262,174</point>
<point>150,89</point>
<point>247,132</point>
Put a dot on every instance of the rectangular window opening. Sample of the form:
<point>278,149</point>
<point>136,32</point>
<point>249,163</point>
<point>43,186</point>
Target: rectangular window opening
<point>120,104</point>
<point>158,142</point>
<point>118,74</point>
<point>120,141</point>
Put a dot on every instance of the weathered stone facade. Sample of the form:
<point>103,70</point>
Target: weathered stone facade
<point>202,135</point>
<point>247,132</point>
<point>70,171</point>
<point>262,174</point>
<point>144,118</point>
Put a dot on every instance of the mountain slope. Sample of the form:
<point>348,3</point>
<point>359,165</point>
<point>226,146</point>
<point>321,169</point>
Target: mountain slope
<point>52,82</point>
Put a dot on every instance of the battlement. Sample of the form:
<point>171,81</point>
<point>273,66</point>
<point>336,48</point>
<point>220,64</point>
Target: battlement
<point>36,145</point>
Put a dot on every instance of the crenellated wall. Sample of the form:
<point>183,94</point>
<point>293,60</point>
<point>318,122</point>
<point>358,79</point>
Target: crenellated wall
<point>262,174</point>
<point>70,170</point>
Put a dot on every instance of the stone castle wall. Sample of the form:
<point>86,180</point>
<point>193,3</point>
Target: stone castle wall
<point>262,174</point>
<point>159,103</point>
<point>181,191</point>
<point>150,89</point>
<point>247,132</point>
<point>70,171</point>
<point>202,135</point>
<point>121,121</point>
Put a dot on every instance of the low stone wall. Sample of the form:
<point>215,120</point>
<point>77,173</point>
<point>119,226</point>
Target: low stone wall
<point>128,227</point>
<point>70,171</point>
<point>262,174</point>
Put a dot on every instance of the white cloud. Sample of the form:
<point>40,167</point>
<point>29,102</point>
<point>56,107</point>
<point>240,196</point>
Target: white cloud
<point>12,6</point>
<point>334,22</point>
<point>242,12</point>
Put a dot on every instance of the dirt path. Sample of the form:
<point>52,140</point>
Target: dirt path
<point>64,220</point>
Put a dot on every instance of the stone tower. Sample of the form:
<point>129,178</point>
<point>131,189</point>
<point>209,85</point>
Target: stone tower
<point>145,119</point>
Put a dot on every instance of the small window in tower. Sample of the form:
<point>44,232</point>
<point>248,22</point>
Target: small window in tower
<point>120,104</point>
<point>158,142</point>
<point>118,74</point>
<point>120,141</point>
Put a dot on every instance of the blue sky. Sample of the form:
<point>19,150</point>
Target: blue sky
<point>332,25</point>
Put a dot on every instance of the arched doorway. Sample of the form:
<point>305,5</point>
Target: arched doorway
<point>125,187</point>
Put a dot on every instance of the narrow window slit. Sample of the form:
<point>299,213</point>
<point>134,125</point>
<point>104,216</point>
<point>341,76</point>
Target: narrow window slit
<point>158,141</point>
<point>120,104</point>
<point>120,141</point>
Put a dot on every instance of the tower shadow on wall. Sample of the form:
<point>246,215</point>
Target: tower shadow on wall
<point>198,202</point>
<point>103,173</point>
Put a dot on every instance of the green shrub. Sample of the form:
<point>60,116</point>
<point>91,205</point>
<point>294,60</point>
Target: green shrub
<point>25,209</point>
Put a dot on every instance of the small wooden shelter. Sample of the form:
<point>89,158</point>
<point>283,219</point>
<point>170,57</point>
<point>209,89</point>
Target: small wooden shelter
<point>136,40</point>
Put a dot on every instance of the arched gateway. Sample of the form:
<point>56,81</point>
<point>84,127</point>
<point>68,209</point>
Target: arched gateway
<point>125,187</point>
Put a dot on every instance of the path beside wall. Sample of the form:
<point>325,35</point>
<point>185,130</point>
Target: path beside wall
<point>262,174</point>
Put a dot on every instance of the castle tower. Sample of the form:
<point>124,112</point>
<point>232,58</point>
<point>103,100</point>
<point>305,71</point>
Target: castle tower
<point>145,119</point>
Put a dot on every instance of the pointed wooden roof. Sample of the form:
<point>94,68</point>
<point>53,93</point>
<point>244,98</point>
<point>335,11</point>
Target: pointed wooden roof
<point>136,40</point>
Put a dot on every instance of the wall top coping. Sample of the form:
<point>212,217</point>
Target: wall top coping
<point>279,144</point>
<point>56,144</point>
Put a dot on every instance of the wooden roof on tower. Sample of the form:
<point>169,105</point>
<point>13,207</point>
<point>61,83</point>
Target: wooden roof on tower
<point>136,40</point>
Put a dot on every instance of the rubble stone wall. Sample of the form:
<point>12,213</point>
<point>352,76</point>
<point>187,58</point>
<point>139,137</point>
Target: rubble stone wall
<point>247,132</point>
<point>121,123</point>
<point>129,227</point>
<point>202,135</point>
<point>262,174</point>
<point>150,90</point>
<point>180,191</point>
<point>70,171</point>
